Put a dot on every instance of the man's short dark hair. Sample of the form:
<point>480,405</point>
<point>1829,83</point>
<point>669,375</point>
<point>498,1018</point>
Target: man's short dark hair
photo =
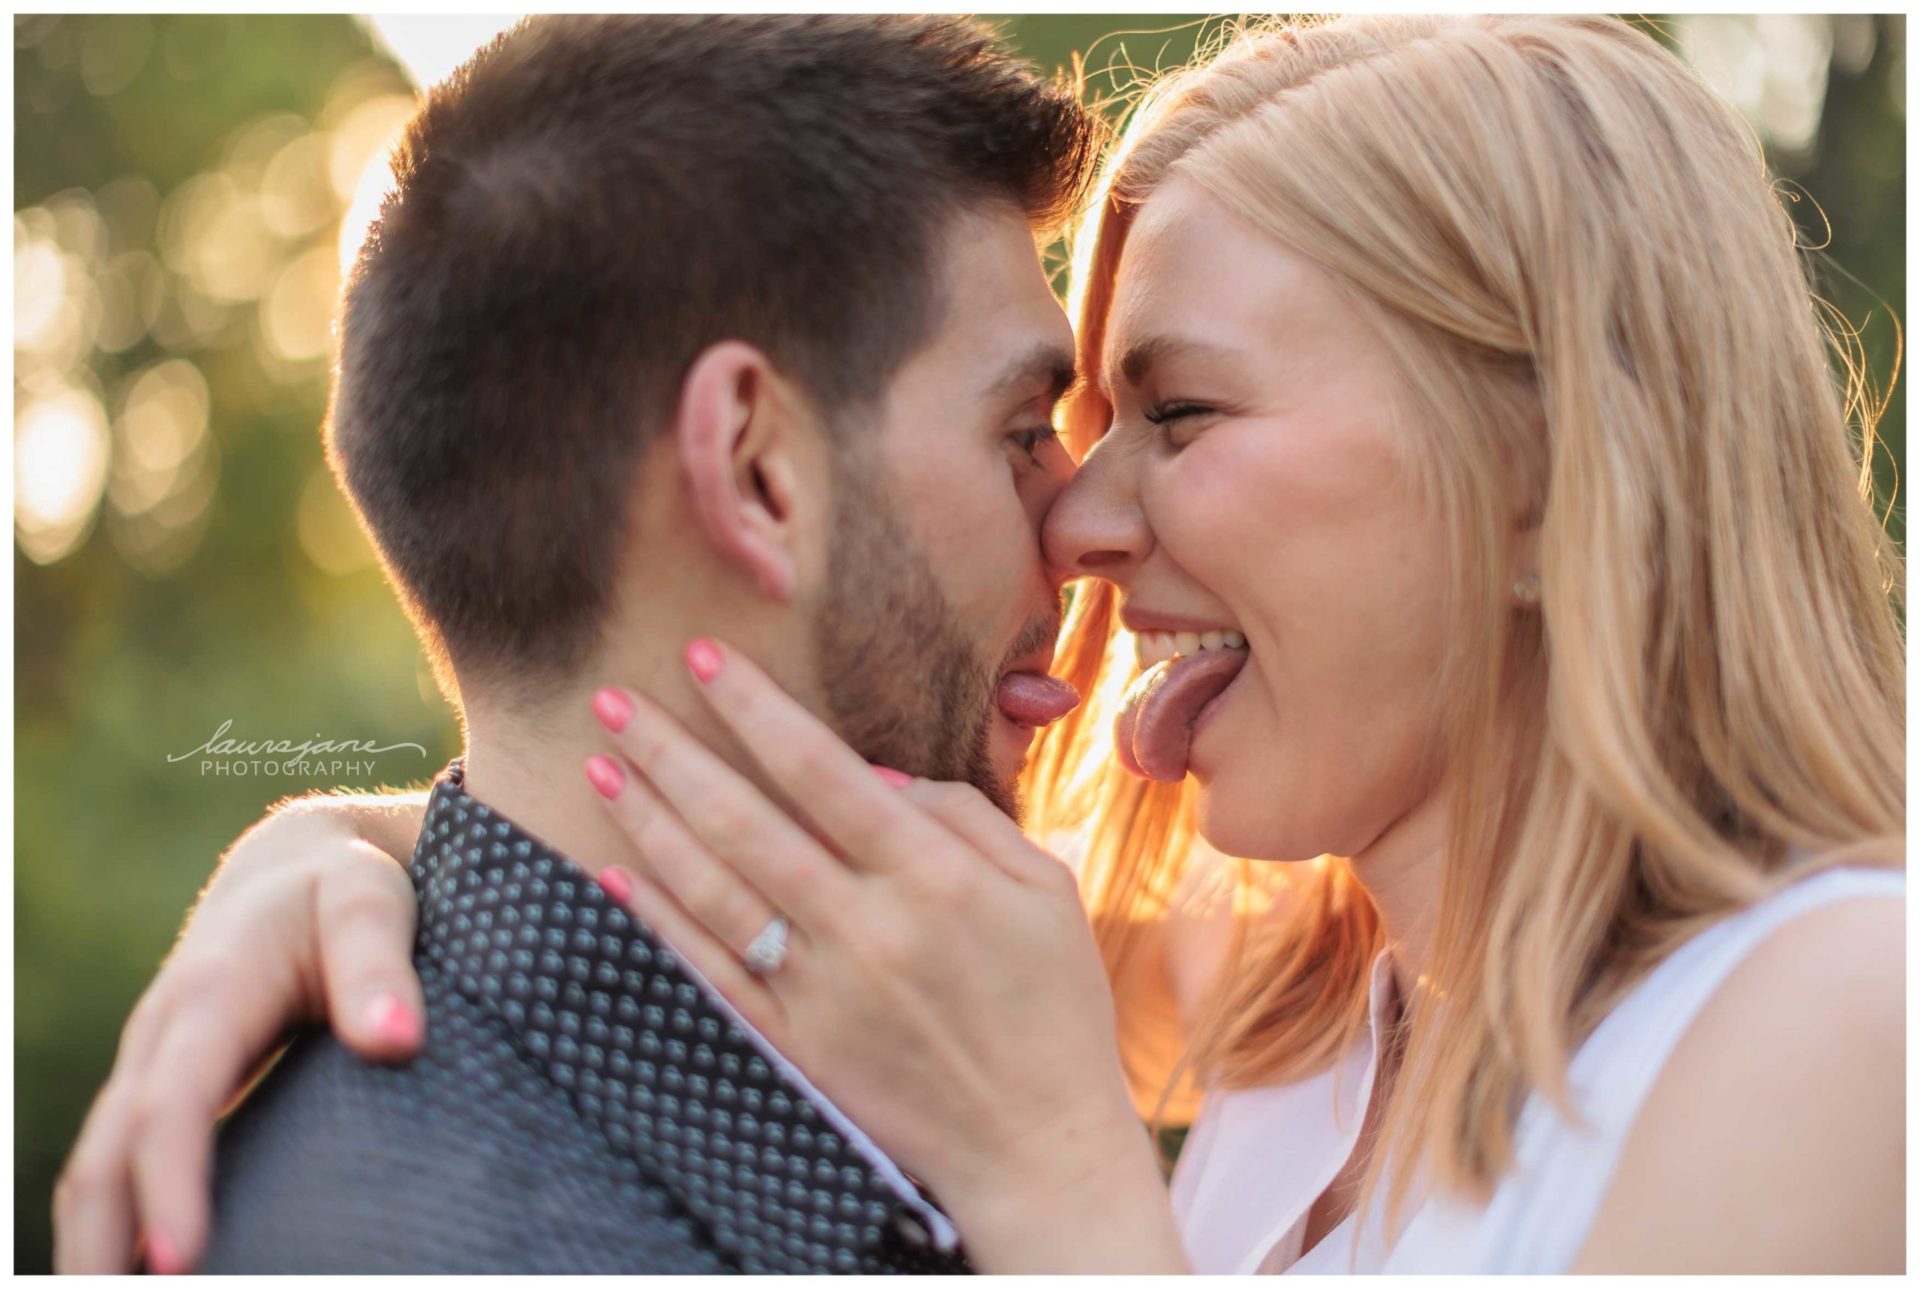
<point>588,204</point>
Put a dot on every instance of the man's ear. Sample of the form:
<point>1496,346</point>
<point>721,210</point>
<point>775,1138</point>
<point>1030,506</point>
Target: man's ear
<point>736,434</point>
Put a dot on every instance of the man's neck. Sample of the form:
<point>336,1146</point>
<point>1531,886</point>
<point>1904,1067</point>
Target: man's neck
<point>531,768</point>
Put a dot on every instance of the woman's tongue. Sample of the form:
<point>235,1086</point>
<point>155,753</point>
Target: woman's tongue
<point>1155,725</point>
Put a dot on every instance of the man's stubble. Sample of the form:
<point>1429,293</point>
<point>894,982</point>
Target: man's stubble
<point>905,684</point>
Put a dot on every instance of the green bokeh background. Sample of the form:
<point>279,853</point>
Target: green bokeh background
<point>178,192</point>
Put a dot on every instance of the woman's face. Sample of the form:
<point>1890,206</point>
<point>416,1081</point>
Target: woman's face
<point>1256,479</point>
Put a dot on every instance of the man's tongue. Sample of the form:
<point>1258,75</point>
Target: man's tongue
<point>1031,699</point>
<point>1155,725</point>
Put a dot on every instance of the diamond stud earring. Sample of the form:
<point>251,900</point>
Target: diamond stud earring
<point>1526,589</point>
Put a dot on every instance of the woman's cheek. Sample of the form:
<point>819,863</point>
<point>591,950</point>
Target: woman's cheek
<point>1199,507</point>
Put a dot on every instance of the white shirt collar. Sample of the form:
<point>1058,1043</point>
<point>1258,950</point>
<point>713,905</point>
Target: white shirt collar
<point>1258,1158</point>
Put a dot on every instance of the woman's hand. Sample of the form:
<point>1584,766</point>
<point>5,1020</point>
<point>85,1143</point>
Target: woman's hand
<point>304,919</point>
<point>941,982</point>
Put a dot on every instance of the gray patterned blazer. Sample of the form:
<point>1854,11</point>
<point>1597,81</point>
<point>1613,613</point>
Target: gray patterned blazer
<point>584,1103</point>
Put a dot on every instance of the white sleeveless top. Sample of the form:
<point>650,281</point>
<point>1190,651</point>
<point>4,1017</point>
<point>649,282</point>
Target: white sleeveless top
<point>1258,1158</point>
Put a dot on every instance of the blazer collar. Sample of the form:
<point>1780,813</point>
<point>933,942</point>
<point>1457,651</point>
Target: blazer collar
<point>656,1060</point>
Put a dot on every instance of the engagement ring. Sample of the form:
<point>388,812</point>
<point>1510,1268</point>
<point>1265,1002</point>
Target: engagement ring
<point>769,949</point>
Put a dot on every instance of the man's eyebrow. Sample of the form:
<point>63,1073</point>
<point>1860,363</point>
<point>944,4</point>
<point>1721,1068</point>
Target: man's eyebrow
<point>1048,367</point>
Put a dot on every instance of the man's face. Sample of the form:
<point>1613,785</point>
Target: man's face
<point>937,588</point>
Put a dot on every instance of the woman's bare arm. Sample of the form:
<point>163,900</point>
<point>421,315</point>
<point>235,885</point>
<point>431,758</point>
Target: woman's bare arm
<point>1774,1140</point>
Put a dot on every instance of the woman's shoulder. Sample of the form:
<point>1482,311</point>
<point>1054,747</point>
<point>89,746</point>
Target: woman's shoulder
<point>1824,949</point>
<point>1798,933</point>
<point>1833,968</point>
<point>1784,1092</point>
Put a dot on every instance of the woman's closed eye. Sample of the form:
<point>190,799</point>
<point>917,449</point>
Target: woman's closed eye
<point>1174,417</point>
<point>1165,412</point>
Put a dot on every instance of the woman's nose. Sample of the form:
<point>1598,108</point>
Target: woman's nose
<point>1095,527</point>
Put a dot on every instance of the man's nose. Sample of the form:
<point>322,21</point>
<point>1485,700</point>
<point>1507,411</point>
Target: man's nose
<point>1095,527</point>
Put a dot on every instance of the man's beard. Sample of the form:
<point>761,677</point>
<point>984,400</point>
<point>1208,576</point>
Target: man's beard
<point>904,683</point>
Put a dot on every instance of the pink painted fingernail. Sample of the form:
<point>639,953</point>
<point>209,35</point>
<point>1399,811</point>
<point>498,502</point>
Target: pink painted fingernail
<point>616,883</point>
<point>891,777</point>
<point>162,1259</point>
<point>703,660</point>
<point>393,1020</point>
<point>613,708</point>
<point>606,777</point>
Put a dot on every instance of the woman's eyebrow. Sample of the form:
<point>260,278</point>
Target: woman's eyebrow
<point>1140,357</point>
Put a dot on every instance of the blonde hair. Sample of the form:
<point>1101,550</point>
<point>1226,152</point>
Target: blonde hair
<point>1574,252</point>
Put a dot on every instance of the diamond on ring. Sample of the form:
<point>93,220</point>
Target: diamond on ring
<point>769,949</point>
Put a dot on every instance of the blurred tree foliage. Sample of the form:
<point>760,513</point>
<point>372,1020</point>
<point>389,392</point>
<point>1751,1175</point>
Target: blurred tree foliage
<point>181,557</point>
<point>212,605</point>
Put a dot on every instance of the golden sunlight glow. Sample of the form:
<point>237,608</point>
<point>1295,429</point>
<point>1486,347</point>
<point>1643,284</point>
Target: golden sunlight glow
<point>39,289</point>
<point>160,540</point>
<point>60,449</point>
<point>296,188</point>
<point>212,234</point>
<point>161,432</point>
<point>131,286</point>
<point>359,161</point>
<point>329,533</point>
<point>165,466</point>
<point>56,310</point>
<point>429,47</point>
<point>1773,67</point>
<point>297,315</point>
<point>1117,671</point>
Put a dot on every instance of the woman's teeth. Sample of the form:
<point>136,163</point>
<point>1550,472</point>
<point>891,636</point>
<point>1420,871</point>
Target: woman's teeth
<point>1151,647</point>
